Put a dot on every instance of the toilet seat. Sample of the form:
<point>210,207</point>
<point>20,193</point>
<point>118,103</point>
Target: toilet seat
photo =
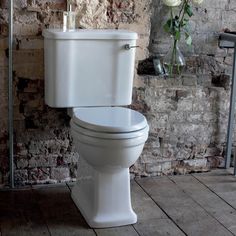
<point>103,135</point>
<point>109,122</point>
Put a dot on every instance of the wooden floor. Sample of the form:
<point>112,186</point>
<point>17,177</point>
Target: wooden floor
<point>198,204</point>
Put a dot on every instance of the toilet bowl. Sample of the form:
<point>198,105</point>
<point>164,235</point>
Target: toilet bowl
<point>109,140</point>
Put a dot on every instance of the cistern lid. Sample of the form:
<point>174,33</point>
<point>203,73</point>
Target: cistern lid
<point>109,119</point>
<point>90,34</point>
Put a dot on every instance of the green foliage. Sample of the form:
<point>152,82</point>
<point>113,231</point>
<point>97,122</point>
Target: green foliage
<point>180,22</point>
<point>172,26</point>
<point>168,26</point>
<point>188,39</point>
<point>188,10</point>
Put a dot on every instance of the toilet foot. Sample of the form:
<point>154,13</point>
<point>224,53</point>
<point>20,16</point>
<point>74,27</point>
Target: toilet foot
<point>103,197</point>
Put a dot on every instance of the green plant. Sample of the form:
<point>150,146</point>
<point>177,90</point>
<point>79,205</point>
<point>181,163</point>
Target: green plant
<point>178,24</point>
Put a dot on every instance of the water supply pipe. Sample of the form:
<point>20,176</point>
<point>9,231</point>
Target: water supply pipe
<point>228,40</point>
<point>10,93</point>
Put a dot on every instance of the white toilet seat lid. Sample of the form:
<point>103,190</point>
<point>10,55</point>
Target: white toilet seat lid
<point>109,119</point>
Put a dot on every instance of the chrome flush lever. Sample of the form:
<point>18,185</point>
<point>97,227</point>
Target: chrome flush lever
<point>128,47</point>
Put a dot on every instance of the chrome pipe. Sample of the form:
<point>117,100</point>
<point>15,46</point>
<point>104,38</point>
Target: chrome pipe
<point>231,115</point>
<point>10,93</point>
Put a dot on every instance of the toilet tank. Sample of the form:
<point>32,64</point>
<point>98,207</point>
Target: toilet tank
<point>88,67</point>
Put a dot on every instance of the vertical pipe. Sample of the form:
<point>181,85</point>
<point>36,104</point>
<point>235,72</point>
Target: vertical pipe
<point>10,93</point>
<point>234,78</point>
<point>231,114</point>
<point>234,165</point>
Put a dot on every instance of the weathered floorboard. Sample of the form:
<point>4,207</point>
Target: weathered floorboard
<point>223,185</point>
<point>199,204</point>
<point>185,212</point>
<point>214,205</point>
<point>143,205</point>
<point>158,227</point>
<point>20,215</point>
<point>151,219</point>
<point>118,231</point>
<point>60,213</point>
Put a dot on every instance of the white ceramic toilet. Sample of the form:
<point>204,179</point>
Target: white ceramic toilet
<point>91,72</point>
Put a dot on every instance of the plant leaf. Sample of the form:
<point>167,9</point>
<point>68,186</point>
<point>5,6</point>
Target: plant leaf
<point>188,10</point>
<point>184,22</point>
<point>168,26</point>
<point>177,35</point>
<point>188,39</point>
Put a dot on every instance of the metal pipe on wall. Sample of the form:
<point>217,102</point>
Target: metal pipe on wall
<point>228,40</point>
<point>10,93</point>
<point>231,115</point>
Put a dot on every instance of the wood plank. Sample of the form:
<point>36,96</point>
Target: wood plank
<point>143,205</point>
<point>185,212</point>
<point>217,172</point>
<point>222,185</point>
<point>118,231</point>
<point>158,227</point>
<point>20,215</point>
<point>151,219</point>
<point>60,213</point>
<point>214,205</point>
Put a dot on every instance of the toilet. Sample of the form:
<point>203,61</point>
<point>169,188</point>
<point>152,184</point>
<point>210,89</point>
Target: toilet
<point>90,72</point>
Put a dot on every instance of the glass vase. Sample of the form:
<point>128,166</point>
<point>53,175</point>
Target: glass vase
<point>174,61</point>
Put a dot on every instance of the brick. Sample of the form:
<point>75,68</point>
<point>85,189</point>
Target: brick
<point>28,56</point>
<point>39,175</point>
<point>61,174</point>
<point>159,168</point>
<point>21,177</point>
<point>29,70</point>
<point>3,43</point>
<point>27,29</point>
<point>52,4</point>
<point>196,163</point>
<point>3,59</point>
<point>22,163</point>
<point>30,43</point>
<point>43,161</point>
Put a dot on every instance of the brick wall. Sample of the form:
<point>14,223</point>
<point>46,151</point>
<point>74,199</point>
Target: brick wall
<point>43,145</point>
<point>187,116</point>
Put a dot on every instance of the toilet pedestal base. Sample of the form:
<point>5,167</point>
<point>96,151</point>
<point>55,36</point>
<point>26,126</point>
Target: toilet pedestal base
<point>103,196</point>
